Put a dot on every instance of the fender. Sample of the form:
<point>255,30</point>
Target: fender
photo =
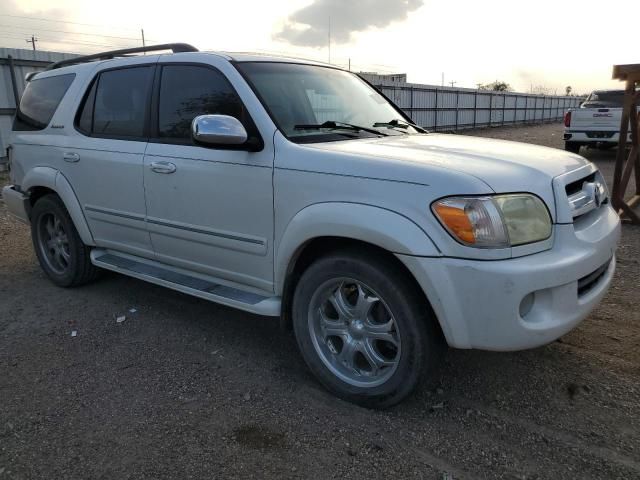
<point>51,178</point>
<point>378,226</point>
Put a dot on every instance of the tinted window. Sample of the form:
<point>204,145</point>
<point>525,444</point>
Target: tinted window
<point>605,99</point>
<point>40,101</point>
<point>85,121</point>
<point>188,91</point>
<point>117,103</point>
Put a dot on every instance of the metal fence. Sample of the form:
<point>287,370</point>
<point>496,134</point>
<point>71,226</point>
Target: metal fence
<point>444,108</point>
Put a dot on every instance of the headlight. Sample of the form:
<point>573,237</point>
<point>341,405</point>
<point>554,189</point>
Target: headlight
<point>499,221</point>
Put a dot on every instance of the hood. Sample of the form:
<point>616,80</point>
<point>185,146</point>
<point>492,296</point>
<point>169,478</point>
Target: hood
<point>503,165</point>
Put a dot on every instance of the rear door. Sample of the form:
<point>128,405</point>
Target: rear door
<point>208,209</point>
<point>104,158</point>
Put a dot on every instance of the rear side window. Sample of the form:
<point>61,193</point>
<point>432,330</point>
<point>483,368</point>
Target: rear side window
<point>187,91</point>
<point>40,101</point>
<point>116,105</point>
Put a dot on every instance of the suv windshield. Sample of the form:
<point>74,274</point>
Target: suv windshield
<point>605,99</point>
<point>314,104</point>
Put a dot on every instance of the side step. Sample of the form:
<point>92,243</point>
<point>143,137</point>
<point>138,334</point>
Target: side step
<point>166,276</point>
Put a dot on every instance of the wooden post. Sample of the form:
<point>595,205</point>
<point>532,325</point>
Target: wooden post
<point>627,164</point>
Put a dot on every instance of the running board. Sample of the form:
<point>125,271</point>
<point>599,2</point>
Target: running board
<point>166,276</point>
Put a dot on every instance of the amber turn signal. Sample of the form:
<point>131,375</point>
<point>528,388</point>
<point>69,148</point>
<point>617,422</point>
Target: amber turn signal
<point>456,221</point>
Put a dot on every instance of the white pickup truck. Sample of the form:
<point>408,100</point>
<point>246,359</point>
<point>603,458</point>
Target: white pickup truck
<point>596,123</point>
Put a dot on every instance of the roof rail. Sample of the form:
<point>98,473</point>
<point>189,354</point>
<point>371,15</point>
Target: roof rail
<point>174,47</point>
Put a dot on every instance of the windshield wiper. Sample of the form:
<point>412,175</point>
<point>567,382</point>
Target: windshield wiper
<point>333,125</point>
<point>400,124</point>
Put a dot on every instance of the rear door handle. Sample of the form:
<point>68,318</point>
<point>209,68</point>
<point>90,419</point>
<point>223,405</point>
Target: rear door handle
<point>71,157</point>
<point>163,167</point>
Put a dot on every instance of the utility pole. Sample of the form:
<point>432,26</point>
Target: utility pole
<point>329,44</point>
<point>349,64</point>
<point>33,42</point>
<point>143,43</point>
<point>452,83</point>
<point>442,79</point>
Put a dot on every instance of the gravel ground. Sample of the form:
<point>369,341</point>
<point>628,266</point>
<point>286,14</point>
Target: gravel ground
<point>188,389</point>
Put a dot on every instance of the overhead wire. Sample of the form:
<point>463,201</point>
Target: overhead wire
<point>64,21</point>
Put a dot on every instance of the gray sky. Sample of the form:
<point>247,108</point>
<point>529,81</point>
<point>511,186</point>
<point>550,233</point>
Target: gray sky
<point>547,43</point>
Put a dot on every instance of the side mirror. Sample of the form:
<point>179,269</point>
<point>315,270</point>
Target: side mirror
<point>218,130</point>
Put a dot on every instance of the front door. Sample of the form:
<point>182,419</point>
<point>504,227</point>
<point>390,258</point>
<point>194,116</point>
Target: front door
<point>208,209</point>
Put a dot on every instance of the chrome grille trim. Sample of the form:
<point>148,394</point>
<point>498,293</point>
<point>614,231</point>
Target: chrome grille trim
<point>591,196</point>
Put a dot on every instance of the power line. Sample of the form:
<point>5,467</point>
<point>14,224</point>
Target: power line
<point>53,40</point>
<point>63,21</point>
<point>73,33</point>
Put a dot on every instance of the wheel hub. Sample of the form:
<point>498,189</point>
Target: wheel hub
<point>356,329</point>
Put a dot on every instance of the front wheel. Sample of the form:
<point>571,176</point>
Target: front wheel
<point>363,328</point>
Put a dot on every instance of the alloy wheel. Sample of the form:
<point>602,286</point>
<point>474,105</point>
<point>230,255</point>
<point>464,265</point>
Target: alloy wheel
<point>354,332</point>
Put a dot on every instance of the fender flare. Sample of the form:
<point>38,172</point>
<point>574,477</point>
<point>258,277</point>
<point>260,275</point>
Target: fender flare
<point>375,225</point>
<point>54,180</point>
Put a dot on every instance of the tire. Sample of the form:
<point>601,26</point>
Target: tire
<point>573,147</point>
<point>60,251</point>
<point>402,348</point>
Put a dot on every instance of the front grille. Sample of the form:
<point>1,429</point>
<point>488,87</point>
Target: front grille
<point>586,194</point>
<point>586,283</point>
<point>575,187</point>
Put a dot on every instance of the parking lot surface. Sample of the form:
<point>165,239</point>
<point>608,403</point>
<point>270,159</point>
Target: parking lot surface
<point>183,388</point>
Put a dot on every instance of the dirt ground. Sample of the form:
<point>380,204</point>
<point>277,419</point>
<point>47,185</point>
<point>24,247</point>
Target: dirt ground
<point>187,389</point>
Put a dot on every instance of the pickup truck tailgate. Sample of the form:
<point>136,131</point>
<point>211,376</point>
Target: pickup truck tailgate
<point>596,119</point>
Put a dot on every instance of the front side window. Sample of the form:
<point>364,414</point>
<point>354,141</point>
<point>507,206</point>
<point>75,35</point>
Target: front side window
<point>312,103</point>
<point>187,91</point>
<point>40,101</point>
<point>116,104</point>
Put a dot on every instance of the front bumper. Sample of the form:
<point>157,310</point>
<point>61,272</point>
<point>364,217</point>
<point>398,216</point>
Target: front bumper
<point>17,203</point>
<point>479,303</point>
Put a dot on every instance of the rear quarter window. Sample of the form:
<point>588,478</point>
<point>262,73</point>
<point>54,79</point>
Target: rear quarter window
<point>40,100</point>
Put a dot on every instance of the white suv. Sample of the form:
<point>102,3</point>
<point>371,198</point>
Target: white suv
<point>294,189</point>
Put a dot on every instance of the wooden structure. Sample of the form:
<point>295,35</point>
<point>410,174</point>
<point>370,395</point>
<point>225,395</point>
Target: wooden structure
<point>628,164</point>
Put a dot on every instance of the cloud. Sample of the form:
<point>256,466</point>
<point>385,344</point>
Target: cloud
<point>309,26</point>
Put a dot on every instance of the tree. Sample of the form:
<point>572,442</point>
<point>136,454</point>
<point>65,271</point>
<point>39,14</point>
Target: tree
<point>497,86</point>
<point>568,89</point>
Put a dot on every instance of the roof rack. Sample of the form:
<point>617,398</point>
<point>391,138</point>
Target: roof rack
<point>174,47</point>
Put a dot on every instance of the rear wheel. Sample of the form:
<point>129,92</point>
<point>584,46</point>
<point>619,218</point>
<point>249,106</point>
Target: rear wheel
<point>60,251</point>
<point>573,147</point>
<point>364,329</point>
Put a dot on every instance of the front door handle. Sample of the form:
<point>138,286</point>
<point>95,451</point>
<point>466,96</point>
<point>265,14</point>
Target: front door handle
<point>163,167</point>
<point>71,157</point>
